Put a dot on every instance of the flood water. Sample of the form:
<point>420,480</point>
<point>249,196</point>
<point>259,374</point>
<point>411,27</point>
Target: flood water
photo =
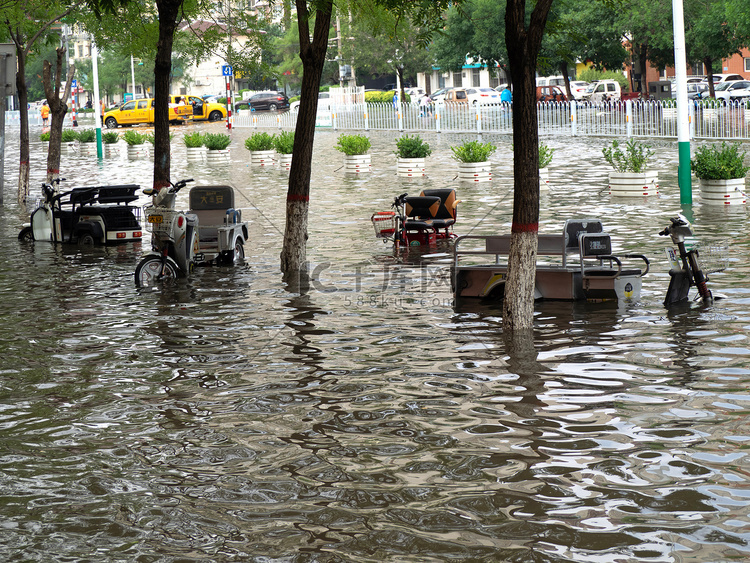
<point>234,418</point>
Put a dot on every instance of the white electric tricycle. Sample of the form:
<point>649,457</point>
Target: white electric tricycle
<point>212,231</point>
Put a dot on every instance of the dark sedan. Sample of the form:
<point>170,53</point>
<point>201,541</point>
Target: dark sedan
<point>271,101</point>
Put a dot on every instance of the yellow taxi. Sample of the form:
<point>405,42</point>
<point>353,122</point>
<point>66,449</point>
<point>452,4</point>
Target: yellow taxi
<point>142,111</point>
<point>203,110</point>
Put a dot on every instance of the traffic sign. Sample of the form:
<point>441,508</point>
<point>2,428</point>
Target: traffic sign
<point>226,70</point>
<point>74,84</point>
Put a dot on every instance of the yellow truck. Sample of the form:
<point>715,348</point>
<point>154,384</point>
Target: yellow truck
<point>142,111</point>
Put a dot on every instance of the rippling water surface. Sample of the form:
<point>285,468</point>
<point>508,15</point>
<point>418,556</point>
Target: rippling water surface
<point>236,418</point>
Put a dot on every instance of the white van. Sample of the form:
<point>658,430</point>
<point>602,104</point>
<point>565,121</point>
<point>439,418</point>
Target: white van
<point>603,90</point>
<point>558,80</point>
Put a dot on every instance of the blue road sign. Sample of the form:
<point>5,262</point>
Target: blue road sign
<point>73,84</point>
<point>226,70</point>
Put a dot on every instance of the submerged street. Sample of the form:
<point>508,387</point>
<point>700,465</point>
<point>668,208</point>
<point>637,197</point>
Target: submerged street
<point>365,417</point>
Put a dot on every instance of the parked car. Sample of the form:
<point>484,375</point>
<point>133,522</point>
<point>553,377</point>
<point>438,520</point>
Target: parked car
<point>694,90</point>
<point>550,94</point>
<point>604,90</point>
<point>726,77</point>
<point>483,96</point>
<point>205,110</point>
<point>142,111</point>
<point>578,89</point>
<point>730,91</point>
<point>324,102</point>
<point>415,94</point>
<point>456,96</point>
<point>438,95</point>
<point>269,100</point>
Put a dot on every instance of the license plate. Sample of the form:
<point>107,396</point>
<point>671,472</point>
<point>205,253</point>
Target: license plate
<point>155,218</point>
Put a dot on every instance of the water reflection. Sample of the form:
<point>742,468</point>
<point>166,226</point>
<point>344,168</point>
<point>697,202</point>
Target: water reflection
<point>359,415</point>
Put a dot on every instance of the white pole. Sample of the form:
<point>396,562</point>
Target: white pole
<point>132,74</point>
<point>683,121</point>
<point>98,116</point>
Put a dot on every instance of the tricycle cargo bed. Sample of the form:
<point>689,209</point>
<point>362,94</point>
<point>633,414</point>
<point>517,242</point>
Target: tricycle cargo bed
<point>582,266</point>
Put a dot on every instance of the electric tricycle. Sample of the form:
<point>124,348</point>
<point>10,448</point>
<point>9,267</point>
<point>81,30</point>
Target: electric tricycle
<point>86,215</point>
<point>211,232</point>
<point>418,220</point>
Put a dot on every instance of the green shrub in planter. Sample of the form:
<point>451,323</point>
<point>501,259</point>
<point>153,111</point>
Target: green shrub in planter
<point>216,141</point>
<point>44,136</point>
<point>545,155</point>
<point>725,162</point>
<point>69,135</point>
<point>193,140</point>
<point>473,151</point>
<point>284,142</point>
<point>133,137</point>
<point>110,138</point>
<point>634,159</point>
<point>353,144</point>
<point>412,147</point>
<point>87,136</point>
<point>259,142</point>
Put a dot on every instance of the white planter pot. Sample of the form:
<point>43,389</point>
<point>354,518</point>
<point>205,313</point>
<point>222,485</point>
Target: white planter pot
<point>356,163</point>
<point>217,156</point>
<point>543,179</point>
<point>410,167</point>
<point>261,158</point>
<point>723,192</point>
<point>87,148</point>
<point>631,184</point>
<point>111,150</point>
<point>137,151</point>
<point>284,161</point>
<point>475,171</point>
<point>195,153</point>
<point>70,147</point>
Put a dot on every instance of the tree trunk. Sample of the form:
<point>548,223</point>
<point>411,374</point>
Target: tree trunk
<point>23,106</point>
<point>168,13</point>
<point>58,107</point>
<point>523,45</point>
<point>644,65</point>
<point>313,55</point>
<point>564,72</point>
<point>709,76</point>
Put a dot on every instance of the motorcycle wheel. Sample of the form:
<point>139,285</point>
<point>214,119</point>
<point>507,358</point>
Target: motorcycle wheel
<point>26,235</point>
<point>149,271</point>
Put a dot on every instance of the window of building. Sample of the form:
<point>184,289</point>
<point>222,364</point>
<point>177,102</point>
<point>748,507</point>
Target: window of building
<point>747,64</point>
<point>457,79</point>
<point>441,81</point>
<point>475,81</point>
<point>494,79</point>
<point>80,50</point>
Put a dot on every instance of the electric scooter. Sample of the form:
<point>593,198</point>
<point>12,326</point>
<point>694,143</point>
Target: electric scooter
<point>686,271</point>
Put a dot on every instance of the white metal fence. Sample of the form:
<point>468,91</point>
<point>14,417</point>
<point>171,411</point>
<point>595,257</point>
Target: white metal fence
<point>613,119</point>
<point>636,118</point>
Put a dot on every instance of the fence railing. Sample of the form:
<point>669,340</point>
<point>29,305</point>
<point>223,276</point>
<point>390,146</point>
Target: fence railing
<point>632,118</point>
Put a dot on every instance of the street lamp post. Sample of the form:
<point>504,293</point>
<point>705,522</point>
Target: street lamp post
<point>683,123</point>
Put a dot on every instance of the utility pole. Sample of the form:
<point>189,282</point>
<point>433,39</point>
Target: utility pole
<point>683,124</point>
<point>7,88</point>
